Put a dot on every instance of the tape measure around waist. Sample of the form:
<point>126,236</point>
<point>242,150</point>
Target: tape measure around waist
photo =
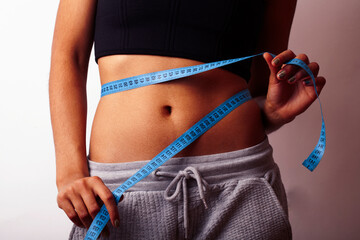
<point>195,131</point>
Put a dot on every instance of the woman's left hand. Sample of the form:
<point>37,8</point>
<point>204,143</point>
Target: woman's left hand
<point>290,90</point>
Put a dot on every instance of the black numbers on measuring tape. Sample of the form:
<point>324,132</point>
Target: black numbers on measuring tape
<point>198,130</point>
<point>102,217</point>
<point>183,141</point>
<point>202,126</point>
<point>314,156</point>
<point>134,179</point>
<point>92,234</point>
<point>138,175</point>
<point>178,145</point>
<point>171,73</point>
<point>192,133</point>
<point>207,122</point>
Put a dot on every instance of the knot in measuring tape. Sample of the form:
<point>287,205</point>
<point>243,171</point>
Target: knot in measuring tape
<point>195,131</point>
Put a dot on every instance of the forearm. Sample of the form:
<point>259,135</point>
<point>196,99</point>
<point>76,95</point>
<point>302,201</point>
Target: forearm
<point>68,108</point>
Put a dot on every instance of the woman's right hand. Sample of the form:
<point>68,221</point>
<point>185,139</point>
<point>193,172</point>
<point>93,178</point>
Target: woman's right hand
<point>82,199</point>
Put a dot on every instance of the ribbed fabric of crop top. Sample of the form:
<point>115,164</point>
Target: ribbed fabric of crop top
<point>202,30</point>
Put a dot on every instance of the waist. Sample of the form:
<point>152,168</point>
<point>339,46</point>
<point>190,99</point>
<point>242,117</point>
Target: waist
<point>251,162</point>
<point>137,124</point>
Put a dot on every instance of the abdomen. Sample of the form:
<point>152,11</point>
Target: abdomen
<point>139,123</point>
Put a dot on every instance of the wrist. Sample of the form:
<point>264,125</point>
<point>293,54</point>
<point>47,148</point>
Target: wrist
<point>272,119</point>
<point>69,170</point>
<point>69,177</point>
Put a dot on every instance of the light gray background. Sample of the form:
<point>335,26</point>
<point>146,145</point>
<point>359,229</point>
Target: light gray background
<point>323,204</point>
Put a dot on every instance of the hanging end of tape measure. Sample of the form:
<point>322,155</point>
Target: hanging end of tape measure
<point>313,160</point>
<point>308,165</point>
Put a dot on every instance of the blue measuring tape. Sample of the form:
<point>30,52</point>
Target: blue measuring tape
<point>195,131</point>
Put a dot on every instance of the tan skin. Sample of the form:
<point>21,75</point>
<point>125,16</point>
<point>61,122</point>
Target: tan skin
<point>124,122</point>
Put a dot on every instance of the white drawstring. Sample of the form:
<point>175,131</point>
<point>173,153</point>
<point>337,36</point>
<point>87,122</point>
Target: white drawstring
<point>180,180</point>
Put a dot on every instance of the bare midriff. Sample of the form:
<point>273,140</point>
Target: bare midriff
<point>138,124</point>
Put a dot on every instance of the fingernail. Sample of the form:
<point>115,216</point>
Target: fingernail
<point>282,74</point>
<point>292,79</point>
<point>307,82</point>
<point>117,223</point>
<point>276,61</point>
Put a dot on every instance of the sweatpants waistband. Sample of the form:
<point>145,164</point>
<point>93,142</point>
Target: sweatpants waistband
<point>251,162</point>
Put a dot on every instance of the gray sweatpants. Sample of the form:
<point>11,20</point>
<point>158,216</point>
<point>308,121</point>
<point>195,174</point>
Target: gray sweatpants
<point>233,195</point>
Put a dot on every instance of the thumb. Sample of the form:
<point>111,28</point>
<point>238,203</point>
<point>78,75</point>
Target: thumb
<point>273,70</point>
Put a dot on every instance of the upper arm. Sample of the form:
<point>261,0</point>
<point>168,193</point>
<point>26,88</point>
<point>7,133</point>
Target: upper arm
<point>273,38</point>
<point>74,30</point>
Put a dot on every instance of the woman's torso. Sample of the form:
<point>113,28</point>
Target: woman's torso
<point>138,124</point>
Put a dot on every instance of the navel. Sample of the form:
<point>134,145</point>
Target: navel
<point>167,110</point>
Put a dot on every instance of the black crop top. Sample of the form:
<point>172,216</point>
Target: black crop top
<point>202,30</point>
